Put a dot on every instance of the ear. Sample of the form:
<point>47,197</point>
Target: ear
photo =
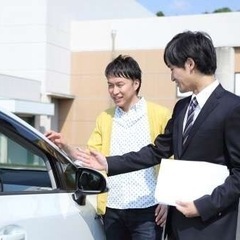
<point>189,64</point>
<point>136,83</point>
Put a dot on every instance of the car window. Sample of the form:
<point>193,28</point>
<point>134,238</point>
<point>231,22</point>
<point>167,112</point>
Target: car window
<point>23,167</point>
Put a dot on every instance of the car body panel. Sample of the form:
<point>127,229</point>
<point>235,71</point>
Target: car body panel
<point>49,216</point>
<point>38,183</point>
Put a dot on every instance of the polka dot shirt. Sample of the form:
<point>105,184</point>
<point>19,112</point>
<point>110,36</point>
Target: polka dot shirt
<point>130,132</point>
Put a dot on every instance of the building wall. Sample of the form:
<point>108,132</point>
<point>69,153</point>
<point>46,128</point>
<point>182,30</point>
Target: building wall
<point>89,86</point>
<point>237,59</point>
<point>225,67</point>
<point>35,45</point>
<point>152,33</point>
<point>93,45</point>
<point>35,42</point>
<point>49,43</point>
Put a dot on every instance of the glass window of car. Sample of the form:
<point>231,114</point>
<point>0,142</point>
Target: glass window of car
<point>23,167</point>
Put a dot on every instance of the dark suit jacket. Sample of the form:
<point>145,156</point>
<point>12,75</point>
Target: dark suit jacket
<point>215,138</point>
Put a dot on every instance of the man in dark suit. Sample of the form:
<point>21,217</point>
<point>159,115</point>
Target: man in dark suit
<point>212,135</point>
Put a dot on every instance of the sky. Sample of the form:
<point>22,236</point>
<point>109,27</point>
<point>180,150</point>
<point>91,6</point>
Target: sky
<point>188,7</point>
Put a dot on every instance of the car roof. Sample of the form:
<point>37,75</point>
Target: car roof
<point>34,130</point>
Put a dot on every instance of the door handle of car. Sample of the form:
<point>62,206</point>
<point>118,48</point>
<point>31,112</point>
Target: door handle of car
<point>12,232</point>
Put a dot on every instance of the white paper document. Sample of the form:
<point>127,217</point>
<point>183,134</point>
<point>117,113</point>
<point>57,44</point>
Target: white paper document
<point>187,180</point>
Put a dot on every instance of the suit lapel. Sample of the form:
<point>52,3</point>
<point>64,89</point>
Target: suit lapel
<point>180,128</point>
<point>208,107</point>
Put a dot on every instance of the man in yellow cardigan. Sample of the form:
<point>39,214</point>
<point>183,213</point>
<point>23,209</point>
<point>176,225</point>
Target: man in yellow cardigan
<point>129,209</point>
<point>101,136</point>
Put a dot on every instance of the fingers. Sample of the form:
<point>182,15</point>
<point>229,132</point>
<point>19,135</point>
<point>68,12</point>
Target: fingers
<point>92,158</point>
<point>181,204</point>
<point>158,209</point>
<point>55,137</point>
<point>84,157</point>
<point>161,214</point>
<point>48,134</point>
<point>181,207</point>
<point>82,151</point>
<point>188,209</point>
<point>93,153</point>
<point>51,135</point>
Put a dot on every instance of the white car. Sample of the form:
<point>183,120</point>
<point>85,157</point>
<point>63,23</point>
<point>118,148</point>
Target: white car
<point>43,194</point>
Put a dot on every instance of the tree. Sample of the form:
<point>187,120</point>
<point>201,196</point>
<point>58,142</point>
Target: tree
<point>160,14</point>
<point>222,10</point>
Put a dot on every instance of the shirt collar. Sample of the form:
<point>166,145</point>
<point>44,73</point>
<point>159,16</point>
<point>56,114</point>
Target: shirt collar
<point>203,96</point>
<point>138,105</point>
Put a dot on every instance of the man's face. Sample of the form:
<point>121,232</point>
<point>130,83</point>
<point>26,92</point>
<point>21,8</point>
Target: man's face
<point>123,91</point>
<point>183,76</point>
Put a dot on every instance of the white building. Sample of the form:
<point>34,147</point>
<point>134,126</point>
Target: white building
<point>38,38</point>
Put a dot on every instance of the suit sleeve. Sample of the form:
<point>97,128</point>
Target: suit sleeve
<point>148,156</point>
<point>228,193</point>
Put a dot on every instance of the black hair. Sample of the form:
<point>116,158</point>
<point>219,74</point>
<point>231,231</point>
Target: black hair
<point>195,45</point>
<point>124,66</point>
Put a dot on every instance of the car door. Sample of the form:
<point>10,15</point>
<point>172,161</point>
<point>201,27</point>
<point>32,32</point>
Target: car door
<point>37,183</point>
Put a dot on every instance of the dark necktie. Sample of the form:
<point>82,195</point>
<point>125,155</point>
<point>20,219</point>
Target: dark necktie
<point>190,115</point>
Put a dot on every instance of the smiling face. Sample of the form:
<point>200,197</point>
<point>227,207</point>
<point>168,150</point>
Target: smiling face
<point>177,77</point>
<point>123,92</point>
<point>183,76</point>
<point>188,78</point>
<point>191,56</point>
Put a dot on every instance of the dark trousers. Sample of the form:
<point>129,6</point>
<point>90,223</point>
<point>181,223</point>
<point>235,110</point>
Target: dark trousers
<point>131,224</point>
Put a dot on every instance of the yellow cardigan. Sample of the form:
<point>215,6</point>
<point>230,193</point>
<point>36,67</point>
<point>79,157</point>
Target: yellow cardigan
<point>100,138</point>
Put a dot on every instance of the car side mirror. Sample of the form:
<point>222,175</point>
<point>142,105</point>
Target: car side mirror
<point>88,181</point>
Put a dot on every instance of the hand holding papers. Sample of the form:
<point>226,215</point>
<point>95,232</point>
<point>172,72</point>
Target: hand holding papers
<point>187,180</point>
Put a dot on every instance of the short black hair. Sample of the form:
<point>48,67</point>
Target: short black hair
<point>124,66</point>
<point>195,45</point>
